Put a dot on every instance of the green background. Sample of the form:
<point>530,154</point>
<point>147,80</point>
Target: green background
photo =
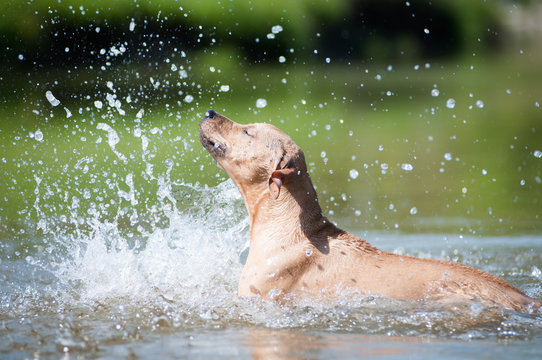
<point>354,90</point>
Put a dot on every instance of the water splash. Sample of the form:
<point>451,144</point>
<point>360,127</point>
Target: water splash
<point>112,139</point>
<point>184,261</point>
<point>192,260</point>
<point>51,98</point>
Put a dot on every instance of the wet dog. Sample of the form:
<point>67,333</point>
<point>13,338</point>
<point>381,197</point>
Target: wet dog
<point>294,249</point>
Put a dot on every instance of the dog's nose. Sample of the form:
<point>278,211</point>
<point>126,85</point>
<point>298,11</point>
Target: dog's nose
<point>210,114</point>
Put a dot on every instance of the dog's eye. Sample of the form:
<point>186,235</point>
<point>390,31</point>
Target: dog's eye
<point>245,131</point>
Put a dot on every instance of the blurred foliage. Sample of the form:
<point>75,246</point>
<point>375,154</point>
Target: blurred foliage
<point>347,29</point>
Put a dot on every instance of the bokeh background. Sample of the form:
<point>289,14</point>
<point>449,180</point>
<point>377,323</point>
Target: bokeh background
<point>416,116</point>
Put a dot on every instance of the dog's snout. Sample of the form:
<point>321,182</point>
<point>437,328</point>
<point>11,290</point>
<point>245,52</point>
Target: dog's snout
<point>210,114</point>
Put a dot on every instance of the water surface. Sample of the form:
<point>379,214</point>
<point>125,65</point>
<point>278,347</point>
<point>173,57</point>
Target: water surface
<point>98,291</point>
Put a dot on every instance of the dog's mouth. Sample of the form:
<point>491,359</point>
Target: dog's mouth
<point>213,146</point>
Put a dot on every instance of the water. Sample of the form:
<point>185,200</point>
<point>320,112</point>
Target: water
<point>101,291</point>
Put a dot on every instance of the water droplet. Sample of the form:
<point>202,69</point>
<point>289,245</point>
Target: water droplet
<point>323,154</point>
<point>537,154</point>
<point>435,92</point>
<point>21,57</point>
<point>261,103</point>
<point>52,99</point>
<point>413,210</point>
<point>407,167</point>
<point>426,30</point>
<point>282,59</point>
<point>224,88</point>
<point>188,98</point>
<point>448,156</point>
<point>484,172</point>
<point>328,60</point>
<point>450,103</point>
<point>132,25</point>
<point>98,104</point>
<point>354,173</point>
<point>38,135</point>
<point>276,29</point>
<point>479,104</point>
<point>308,252</point>
<point>536,272</point>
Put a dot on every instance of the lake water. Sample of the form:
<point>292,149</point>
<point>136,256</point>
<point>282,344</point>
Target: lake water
<point>97,292</point>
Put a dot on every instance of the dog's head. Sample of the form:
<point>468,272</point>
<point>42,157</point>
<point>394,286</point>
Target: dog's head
<point>252,154</point>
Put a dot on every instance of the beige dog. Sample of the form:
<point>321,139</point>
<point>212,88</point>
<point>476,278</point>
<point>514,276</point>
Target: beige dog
<point>296,250</point>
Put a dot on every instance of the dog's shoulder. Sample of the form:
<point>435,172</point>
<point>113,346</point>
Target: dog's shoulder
<point>345,241</point>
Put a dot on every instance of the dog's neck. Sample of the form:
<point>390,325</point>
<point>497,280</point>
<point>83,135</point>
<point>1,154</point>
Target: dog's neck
<point>293,218</point>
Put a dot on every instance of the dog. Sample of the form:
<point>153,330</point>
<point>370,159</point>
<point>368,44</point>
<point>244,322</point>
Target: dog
<point>295,250</point>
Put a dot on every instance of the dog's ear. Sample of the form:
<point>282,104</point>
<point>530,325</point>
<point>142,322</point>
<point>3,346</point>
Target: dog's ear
<point>284,169</point>
<point>279,177</point>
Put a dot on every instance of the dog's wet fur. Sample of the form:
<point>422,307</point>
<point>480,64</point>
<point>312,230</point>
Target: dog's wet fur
<point>295,250</point>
